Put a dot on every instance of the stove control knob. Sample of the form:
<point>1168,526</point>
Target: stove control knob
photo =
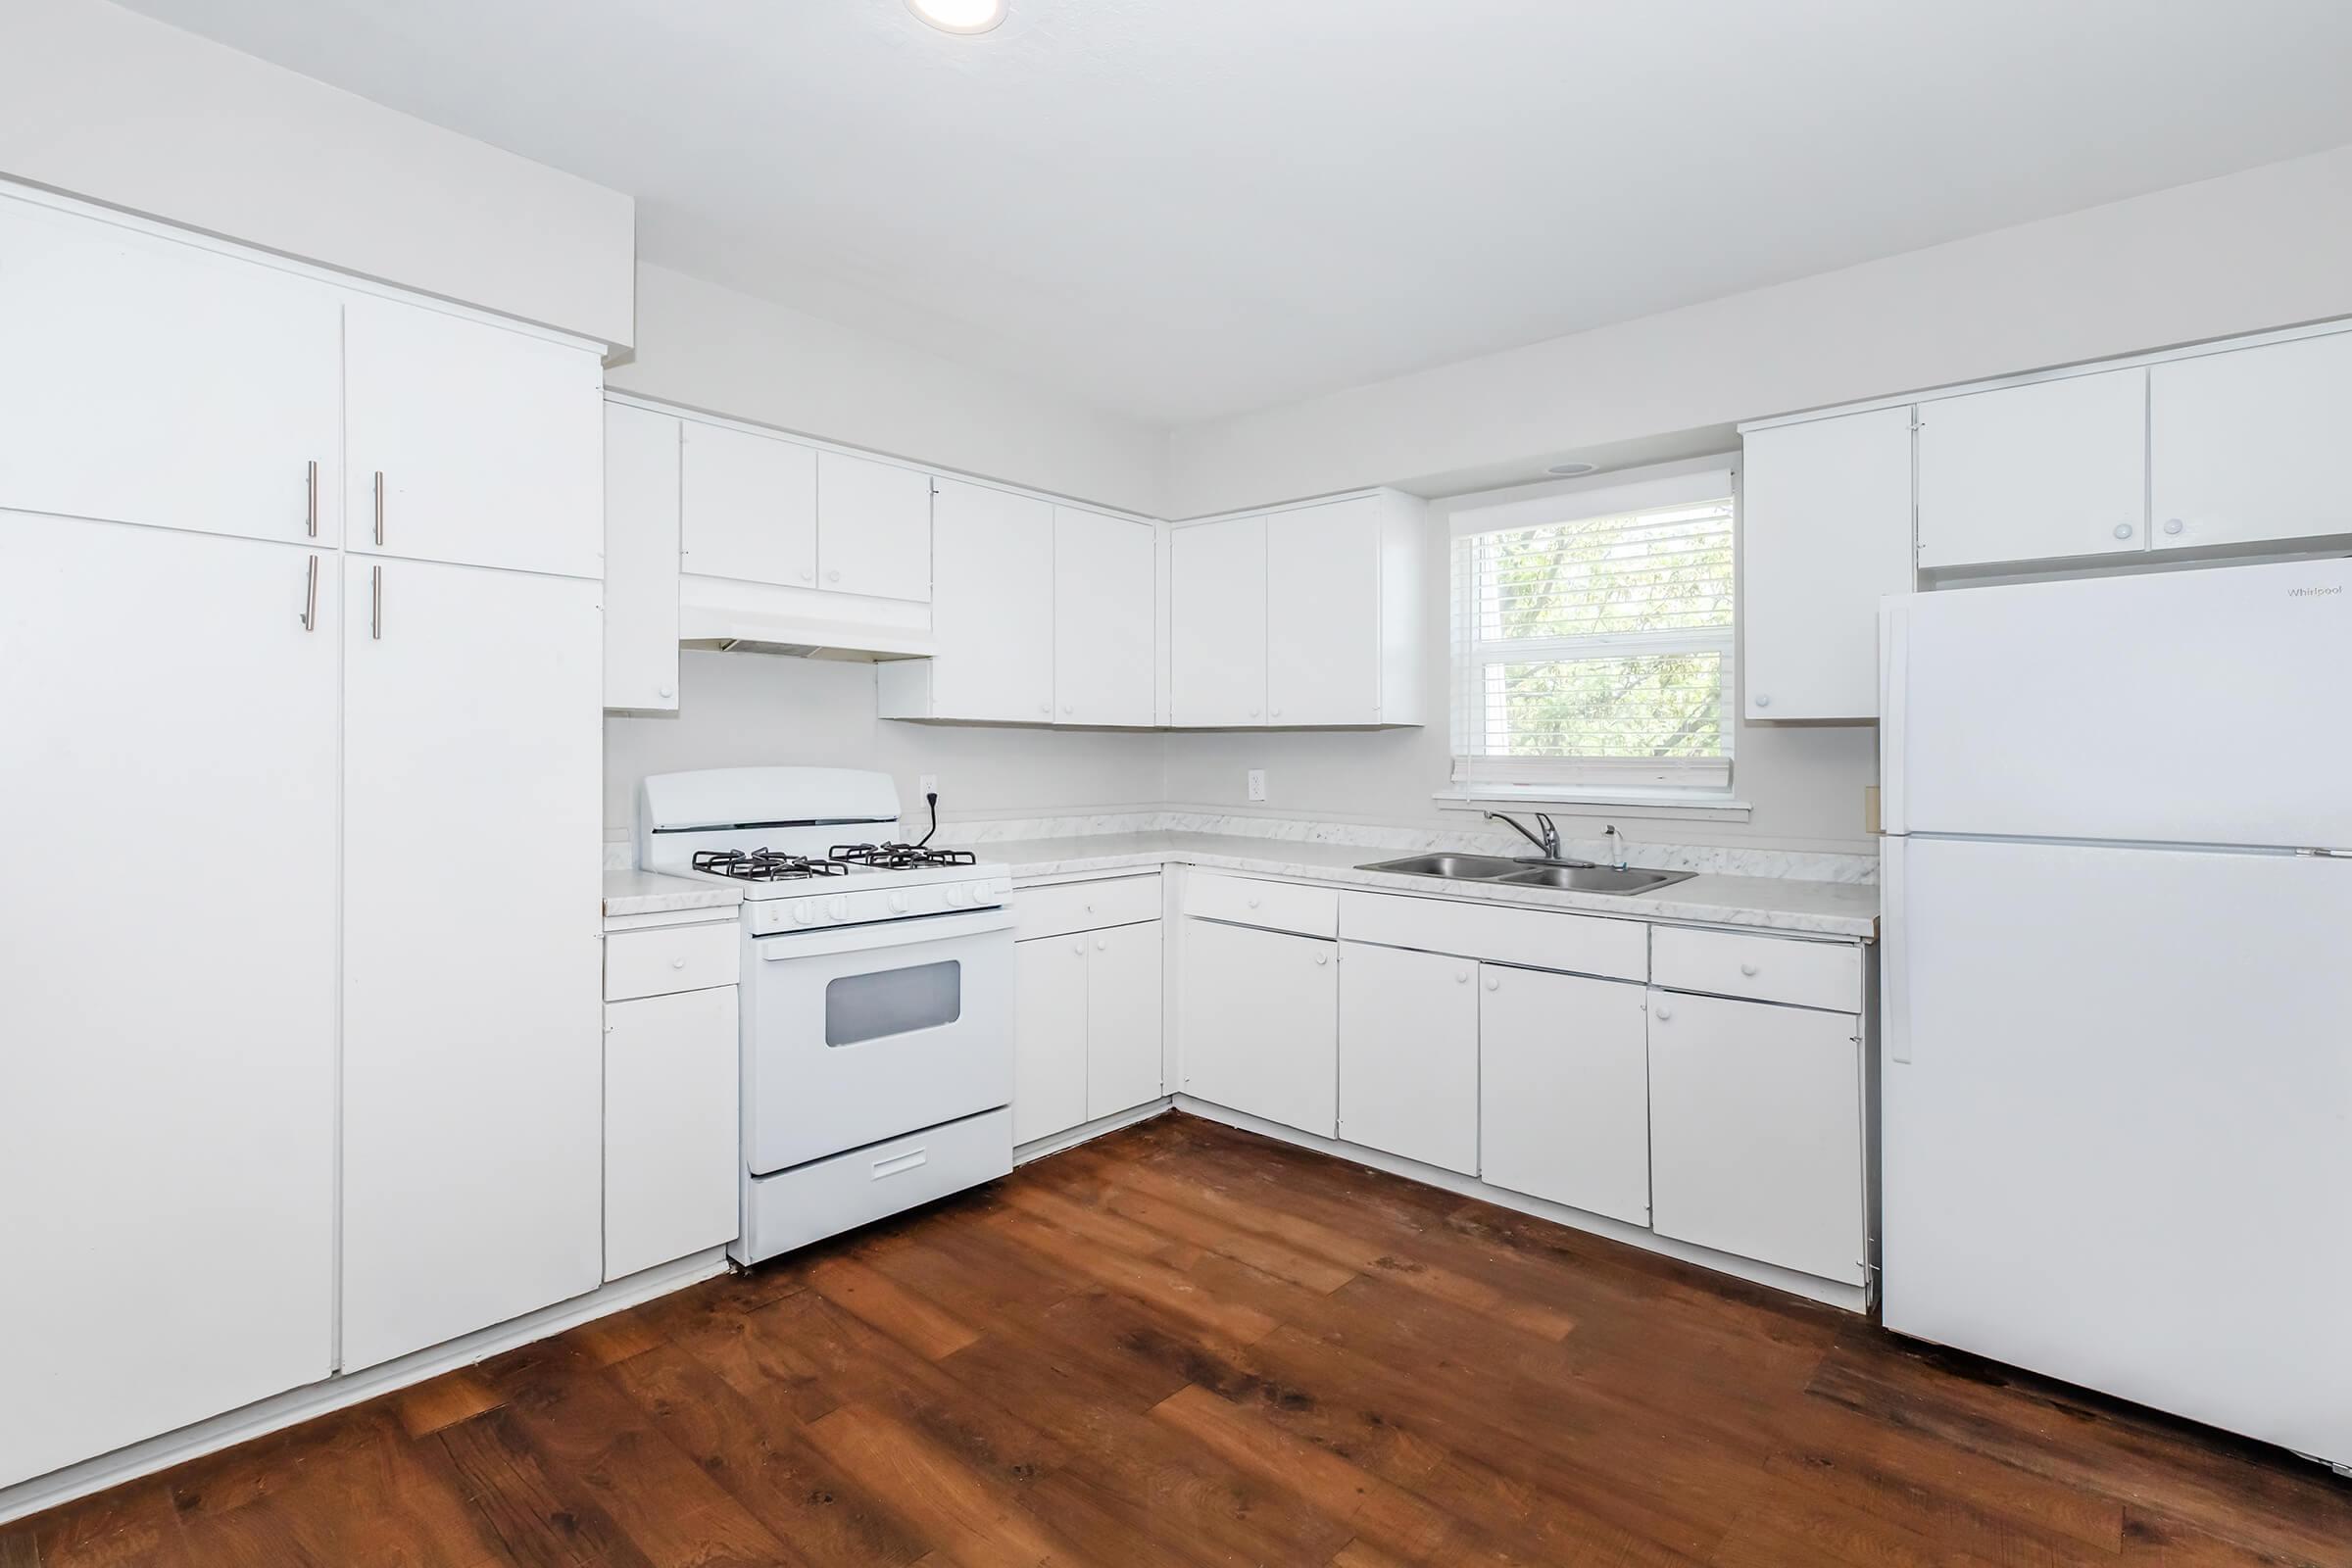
<point>980,892</point>
<point>838,908</point>
<point>804,915</point>
<point>959,897</point>
<point>898,904</point>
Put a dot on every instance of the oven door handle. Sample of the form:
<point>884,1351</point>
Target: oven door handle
<point>881,934</point>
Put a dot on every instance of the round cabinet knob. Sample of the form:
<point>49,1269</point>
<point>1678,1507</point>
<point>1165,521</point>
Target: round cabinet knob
<point>1090,909</point>
<point>1253,712</point>
<point>1079,947</point>
<point>1761,700</point>
<point>1101,943</point>
<point>832,577</point>
<point>1494,982</point>
<point>1748,969</point>
<point>1045,707</point>
<point>677,964</point>
<point>1662,1013</point>
<point>1322,957</point>
<point>2171,525</point>
<point>807,576</point>
<point>2123,530</point>
<point>1253,901</point>
<point>1461,977</point>
<point>664,691</point>
<point>1274,713</point>
<point>1067,710</point>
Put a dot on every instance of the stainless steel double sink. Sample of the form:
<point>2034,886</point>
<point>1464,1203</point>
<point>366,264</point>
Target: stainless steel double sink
<point>1576,876</point>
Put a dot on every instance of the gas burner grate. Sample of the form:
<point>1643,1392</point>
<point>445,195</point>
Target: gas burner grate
<point>764,865</point>
<point>900,857</point>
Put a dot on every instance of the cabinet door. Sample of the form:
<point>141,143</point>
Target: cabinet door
<point>1048,1057</point>
<point>1323,613</point>
<point>991,612</point>
<point>1755,1128</point>
<point>672,1161</point>
<point>167,982</point>
<point>1825,527</point>
<point>471,1045</point>
<point>747,507</point>
<point>1217,624</point>
<point>2049,469</point>
<point>2244,446</point>
<point>873,527</point>
<point>488,442</point>
<point>1123,1018</point>
<point>150,381</point>
<point>641,560</point>
<point>1408,1055</point>
<point>1564,1090</point>
<point>1257,1023</point>
<point>1105,618</point>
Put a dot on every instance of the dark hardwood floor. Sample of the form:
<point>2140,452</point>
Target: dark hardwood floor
<point>1182,1346</point>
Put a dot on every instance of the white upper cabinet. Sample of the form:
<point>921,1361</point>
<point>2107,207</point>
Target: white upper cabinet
<point>641,560</point>
<point>1323,621</point>
<point>166,1039</point>
<point>1824,533</point>
<point>151,381</point>
<point>747,507</point>
<point>473,1050</point>
<point>2046,471</point>
<point>1105,616</point>
<point>470,443</point>
<point>1217,624</point>
<point>873,527</point>
<point>992,612</point>
<point>2245,446</point>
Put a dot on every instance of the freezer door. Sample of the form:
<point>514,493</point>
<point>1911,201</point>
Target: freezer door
<point>2119,1148</point>
<point>2197,706</point>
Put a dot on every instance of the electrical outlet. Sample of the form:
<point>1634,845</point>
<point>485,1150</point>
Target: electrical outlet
<point>928,784</point>
<point>1258,783</point>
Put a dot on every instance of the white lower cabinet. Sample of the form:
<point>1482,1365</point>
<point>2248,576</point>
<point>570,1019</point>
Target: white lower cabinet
<point>1258,1023</point>
<point>1756,1131</point>
<point>1408,1055</point>
<point>672,1126</point>
<point>1564,1090</point>
<point>166,981</point>
<point>472,1061</point>
<point>1087,1027</point>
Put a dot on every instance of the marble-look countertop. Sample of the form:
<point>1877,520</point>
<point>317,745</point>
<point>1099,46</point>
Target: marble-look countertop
<point>1777,904</point>
<point>652,893</point>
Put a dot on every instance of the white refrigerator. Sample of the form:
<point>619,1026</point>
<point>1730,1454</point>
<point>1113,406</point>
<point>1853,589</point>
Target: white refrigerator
<point>2117,1052</point>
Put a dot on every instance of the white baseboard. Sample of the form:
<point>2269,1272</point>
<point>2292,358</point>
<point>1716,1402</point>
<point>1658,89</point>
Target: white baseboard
<point>341,1390</point>
<point>1086,1132</point>
<point>1832,1293</point>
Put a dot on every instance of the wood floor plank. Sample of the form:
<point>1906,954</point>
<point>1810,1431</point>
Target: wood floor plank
<point>1186,1347</point>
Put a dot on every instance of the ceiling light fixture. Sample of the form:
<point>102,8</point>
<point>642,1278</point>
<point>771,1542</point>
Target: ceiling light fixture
<point>959,16</point>
<point>1570,471</point>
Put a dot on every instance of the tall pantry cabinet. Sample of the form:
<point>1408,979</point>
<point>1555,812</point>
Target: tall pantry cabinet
<point>299,1022</point>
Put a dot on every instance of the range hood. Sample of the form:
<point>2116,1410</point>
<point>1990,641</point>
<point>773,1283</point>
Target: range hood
<point>750,618</point>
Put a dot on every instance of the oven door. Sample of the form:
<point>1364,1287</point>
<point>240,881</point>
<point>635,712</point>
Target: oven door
<point>862,1033</point>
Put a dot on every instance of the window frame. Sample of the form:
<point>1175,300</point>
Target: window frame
<point>1673,784</point>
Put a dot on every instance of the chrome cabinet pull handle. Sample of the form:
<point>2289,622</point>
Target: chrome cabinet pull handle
<point>310,520</point>
<point>375,608</point>
<point>379,506</point>
<point>310,599</point>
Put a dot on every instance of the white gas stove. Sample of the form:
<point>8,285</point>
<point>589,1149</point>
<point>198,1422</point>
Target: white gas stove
<point>876,997</point>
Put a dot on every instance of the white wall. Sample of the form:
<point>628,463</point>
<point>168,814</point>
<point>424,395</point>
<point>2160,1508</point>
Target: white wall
<point>2271,247</point>
<point>1804,783</point>
<point>107,105</point>
<point>740,709</point>
<point>713,349</point>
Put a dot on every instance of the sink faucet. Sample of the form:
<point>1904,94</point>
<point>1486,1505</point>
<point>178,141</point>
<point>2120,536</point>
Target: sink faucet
<point>1549,843</point>
<point>1618,839</point>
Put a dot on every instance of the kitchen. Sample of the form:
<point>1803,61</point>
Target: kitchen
<point>1200,920</point>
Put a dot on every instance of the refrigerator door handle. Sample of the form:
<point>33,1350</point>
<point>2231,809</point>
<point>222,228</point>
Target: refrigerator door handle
<point>1895,951</point>
<point>1895,680</point>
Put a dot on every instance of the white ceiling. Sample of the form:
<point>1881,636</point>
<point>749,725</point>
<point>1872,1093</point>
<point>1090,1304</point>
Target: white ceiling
<point>1187,208</point>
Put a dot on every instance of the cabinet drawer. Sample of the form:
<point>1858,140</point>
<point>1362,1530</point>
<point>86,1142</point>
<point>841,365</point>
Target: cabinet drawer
<point>827,1197</point>
<point>1807,975</point>
<point>1064,906</point>
<point>1535,938</point>
<point>1276,906</point>
<point>684,957</point>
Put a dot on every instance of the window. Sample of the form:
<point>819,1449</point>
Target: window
<point>1593,639</point>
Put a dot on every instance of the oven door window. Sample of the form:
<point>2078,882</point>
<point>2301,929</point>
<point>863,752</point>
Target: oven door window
<point>893,1001</point>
